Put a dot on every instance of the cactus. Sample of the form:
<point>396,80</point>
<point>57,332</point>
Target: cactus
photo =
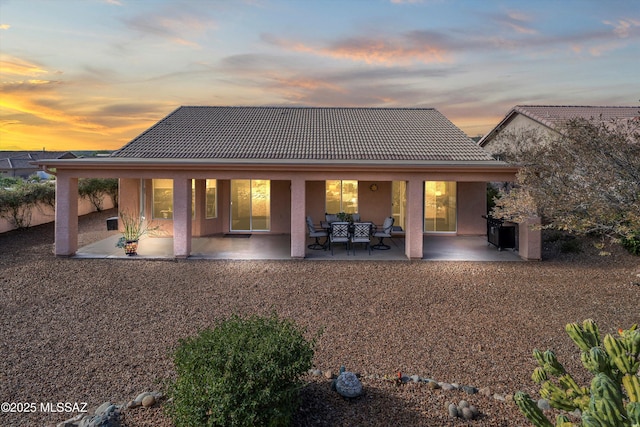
<point>613,398</point>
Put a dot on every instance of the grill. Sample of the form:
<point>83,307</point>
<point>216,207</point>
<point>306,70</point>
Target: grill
<point>500,234</point>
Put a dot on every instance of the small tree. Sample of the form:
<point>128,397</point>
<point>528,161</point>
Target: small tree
<point>584,180</point>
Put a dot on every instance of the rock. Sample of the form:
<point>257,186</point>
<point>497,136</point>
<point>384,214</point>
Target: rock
<point>328,374</point>
<point>485,391</point>
<point>133,404</point>
<point>455,385</point>
<point>544,405</point>
<point>446,386</point>
<point>148,401</point>
<point>453,410</point>
<point>71,422</point>
<point>103,409</point>
<point>474,410</point>
<point>463,404</point>
<point>498,397</point>
<point>348,385</point>
<point>469,389</point>
<point>433,385</point>
<point>467,414</point>
<point>415,378</point>
<point>316,372</point>
<point>141,396</point>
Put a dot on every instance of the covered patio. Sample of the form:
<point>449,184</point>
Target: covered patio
<point>213,171</point>
<point>278,247</point>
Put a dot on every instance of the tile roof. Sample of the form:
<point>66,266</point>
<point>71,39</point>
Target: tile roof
<point>304,133</point>
<point>23,159</point>
<point>554,115</point>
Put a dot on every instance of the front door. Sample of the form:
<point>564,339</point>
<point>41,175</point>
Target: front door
<point>250,205</point>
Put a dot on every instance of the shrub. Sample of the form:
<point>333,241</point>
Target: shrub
<point>17,202</point>
<point>243,372</point>
<point>632,243</point>
<point>614,395</point>
<point>95,188</point>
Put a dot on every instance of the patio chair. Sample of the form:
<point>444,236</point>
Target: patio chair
<point>339,234</point>
<point>313,232</point>
<point>361,234</point>
<point>385,231</point>
<point>330,217</point>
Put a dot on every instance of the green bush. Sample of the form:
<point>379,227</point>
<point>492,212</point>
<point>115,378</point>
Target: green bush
<point>243,372</point>
<point>94,189</point>
<point>17,201</point>
<point>632,244</point>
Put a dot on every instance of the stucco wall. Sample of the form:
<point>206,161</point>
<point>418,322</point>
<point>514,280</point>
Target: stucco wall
<point>42,214</point>
<point>373,206</point>
<point>472,204</point>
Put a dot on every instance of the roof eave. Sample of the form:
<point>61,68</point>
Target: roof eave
<point>271,164</point>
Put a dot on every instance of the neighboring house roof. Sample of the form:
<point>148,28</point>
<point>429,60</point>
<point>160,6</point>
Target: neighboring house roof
<point>553,116</point>
<point>305,134</point>
<point>20,161</point>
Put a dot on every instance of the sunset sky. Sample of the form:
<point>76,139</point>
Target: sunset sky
<point>93,74</point>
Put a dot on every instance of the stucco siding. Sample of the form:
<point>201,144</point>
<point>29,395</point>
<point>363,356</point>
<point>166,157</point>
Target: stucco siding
<point>472,204</point>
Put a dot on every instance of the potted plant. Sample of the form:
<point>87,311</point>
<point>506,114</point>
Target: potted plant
<point>345,217</point>
<point>133,227</point>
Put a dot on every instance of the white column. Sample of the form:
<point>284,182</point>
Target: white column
<point>181,217</point>
<point>66,226</point>
<point>414,219</point>
<point>298,212</point>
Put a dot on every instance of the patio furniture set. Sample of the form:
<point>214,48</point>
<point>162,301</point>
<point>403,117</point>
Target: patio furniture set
<point>349,232</point>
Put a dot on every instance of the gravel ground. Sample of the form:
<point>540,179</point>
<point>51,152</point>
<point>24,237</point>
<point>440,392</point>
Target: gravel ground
<point>95,330</point>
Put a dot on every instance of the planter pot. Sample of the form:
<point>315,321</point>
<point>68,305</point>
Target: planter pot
<point>131,247</point>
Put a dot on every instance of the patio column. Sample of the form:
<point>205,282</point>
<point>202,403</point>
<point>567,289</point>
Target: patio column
<point>181,217</point>
<point>414,219</point>
<point>66,226</point>
<point>298,212</point>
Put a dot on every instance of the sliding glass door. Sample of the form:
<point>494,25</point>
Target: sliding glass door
<point>250,205</point>
<point>440,206</point>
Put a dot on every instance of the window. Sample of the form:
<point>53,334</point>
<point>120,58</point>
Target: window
<point>163,198</point>
<point>341,196</point>
<point>211,198</point>
<point>440,206</point>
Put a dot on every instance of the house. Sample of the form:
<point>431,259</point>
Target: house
<point>19,164</point>
<point>204,171</point>
<point>549,119</point>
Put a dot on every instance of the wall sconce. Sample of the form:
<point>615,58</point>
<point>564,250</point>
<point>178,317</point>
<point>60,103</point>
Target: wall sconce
<point>373,187</point>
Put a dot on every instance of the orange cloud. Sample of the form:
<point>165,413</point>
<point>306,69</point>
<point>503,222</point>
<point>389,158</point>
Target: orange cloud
<point>17,101</point>
<point>4,26</point>
<point>389,51</point>
<point>19,67</point>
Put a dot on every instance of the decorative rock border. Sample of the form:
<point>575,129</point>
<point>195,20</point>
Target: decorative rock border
<point>108,414</point>
<point>463,409</point>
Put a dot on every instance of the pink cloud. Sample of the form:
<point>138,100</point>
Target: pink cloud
<point>387,51</point>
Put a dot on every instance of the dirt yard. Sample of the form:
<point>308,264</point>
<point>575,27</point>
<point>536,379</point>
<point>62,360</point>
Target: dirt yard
<point>96,330</point>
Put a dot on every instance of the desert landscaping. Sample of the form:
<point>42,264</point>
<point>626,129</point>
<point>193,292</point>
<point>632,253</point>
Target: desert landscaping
<point>98,330</point>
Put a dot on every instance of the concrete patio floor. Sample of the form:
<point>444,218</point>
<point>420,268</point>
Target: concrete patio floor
<point>435,248</point>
